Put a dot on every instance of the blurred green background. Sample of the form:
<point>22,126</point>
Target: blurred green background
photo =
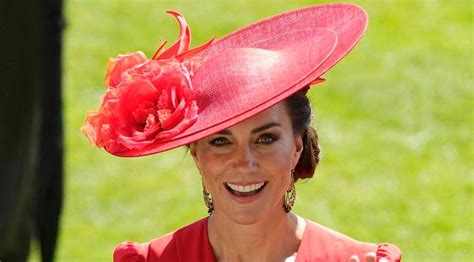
<point>395,120</point>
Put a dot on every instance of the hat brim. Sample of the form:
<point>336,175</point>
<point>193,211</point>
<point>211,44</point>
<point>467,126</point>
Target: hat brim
<point>277,57</point>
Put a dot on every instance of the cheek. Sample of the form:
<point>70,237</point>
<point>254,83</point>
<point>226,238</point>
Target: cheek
<point>278,162</point>
<point>275,161</point>
<point>284,151</point>
<point>211,165</point>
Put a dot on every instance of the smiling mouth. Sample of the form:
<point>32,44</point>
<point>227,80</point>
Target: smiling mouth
<point>245,191</point>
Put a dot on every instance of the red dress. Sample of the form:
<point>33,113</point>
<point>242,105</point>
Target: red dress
<point>191,243</point>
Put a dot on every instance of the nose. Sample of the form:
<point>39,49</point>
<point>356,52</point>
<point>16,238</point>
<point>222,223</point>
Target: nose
<point>244,159</point>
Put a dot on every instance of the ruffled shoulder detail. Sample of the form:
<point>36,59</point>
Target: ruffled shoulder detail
<point>390,252</point>
<point>130,252</point>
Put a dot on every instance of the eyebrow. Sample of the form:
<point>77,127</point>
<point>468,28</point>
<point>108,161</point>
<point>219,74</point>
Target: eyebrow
<point>255,130</point>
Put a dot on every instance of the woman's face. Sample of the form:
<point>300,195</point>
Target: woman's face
<point>247,168</point>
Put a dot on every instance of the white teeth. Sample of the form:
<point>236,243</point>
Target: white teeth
<point>247,188</point>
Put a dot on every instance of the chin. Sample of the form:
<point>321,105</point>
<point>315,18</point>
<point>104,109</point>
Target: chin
<point>247,217</point>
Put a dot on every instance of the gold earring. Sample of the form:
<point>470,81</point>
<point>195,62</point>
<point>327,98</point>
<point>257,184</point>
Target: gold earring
<point>207,200</point>
<point>290,195</point>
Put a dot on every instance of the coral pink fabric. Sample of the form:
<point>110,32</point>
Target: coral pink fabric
<point>191,243</point>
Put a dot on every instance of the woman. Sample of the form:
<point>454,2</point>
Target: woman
<point>240,106</point>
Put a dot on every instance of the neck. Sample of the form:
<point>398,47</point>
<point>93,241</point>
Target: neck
<point>271,239</point>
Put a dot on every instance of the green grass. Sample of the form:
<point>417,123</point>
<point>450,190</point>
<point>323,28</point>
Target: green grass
<point>395,120</point>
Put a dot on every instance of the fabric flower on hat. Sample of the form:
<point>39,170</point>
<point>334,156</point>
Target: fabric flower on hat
<point>147,100</point>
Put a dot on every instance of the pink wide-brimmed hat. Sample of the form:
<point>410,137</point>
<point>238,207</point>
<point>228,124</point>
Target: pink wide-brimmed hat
<point>180,95</point>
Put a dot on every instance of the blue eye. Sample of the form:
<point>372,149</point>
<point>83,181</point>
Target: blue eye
<point>220,141</point>
<point>267,139</point>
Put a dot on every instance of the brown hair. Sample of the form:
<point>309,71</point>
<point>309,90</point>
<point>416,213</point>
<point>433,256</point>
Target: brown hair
<point>299,110</point>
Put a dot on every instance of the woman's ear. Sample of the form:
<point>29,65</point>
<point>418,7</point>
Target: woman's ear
<point>299,149</point>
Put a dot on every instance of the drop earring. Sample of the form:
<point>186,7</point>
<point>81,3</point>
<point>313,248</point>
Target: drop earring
<point>207,200</point>
<point>290,195</point>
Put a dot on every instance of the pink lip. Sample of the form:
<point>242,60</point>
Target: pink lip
<point>245,199</point>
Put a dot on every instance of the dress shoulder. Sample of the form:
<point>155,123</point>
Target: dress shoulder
<point>184,244</point>
<point>143,252</point>
<point>130,252</point>
<point>320,243</point>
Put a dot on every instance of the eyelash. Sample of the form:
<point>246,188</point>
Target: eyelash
<point>214,142</point>
<point>222,141</point>
<point>272,138</point>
